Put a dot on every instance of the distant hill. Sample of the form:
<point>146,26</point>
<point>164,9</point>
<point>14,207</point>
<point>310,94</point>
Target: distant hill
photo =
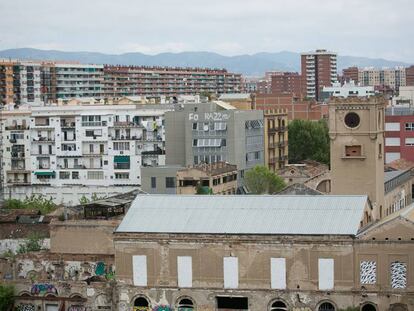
<point>249,65</point>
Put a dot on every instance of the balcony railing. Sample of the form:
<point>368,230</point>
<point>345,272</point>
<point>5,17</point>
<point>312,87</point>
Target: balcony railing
<point>16,127</point>
<point>127,124</point>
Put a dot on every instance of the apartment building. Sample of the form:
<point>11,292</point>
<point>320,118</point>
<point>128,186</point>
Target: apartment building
<point>399,134</point>
<point>214,132</point>
<point>20,82</point>
<point>286,82</point>
<point>319,69</point>
<point>276,139</point>
<point>168,81</point>
<point>391,78</point>
<point>213,178</point>
<point>296,107</point>
<point>348,89</point>
<point>89,147</point>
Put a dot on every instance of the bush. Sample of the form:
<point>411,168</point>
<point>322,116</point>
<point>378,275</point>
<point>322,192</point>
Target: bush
<point>6,297</point>
<point>32,244</point>
<point>40,202</point>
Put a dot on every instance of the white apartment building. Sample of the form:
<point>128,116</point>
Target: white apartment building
<point>347,90</point>
<point>76,149</point>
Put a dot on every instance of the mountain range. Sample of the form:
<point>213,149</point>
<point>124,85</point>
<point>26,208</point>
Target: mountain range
<point>248,65</point>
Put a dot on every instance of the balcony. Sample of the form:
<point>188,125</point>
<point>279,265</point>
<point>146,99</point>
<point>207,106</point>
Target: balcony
<point>122,137</point>
<point>16,127</point>
<point>127,124</point>
<point>18,155</point>
<point>68,124</point>
<point>43,139</point>
<point>94,123</point>
<point>18,182</point>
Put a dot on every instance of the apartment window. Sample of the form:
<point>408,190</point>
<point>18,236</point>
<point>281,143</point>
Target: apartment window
<point>409,126</point>
<point>40,149</point>
<point>68,147</point>
<point>195,126</point>
<point>409,141</point>
<point>392,141</point>
<point>64,175</point>
<point>153,182</point>
<point>91,148</point>
<point>93,133</point>
<point>326,273</point>
<point>139,270</point>
<point>50,149</point>
<point>170,182</point>
<point>278,273</point>
<point>121,175</point>
<point>120,146</point>
<point>95,175</point>
<point>75,175</point>
<point>184,271</point>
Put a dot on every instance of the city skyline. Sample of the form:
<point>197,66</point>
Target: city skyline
<point>229,28</point>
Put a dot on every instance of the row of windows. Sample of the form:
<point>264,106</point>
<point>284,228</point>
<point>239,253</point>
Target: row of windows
<point>209,126</point>
<point>278,272</point>
<point>209,142</point>
<point>169,182</point>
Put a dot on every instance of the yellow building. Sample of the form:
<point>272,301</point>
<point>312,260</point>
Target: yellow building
<point>214,178</point>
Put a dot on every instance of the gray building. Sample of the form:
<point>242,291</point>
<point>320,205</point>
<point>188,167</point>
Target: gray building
<point>212,132</point>
<point>159,179</point>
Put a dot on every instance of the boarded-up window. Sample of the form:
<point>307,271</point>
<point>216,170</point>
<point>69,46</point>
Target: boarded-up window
<point>278,273</point>
<point>185,271</point>
<point>231,272</point>
<point>353,151</point>
<point>139,270</point>
<point>368,272</point>
<point>398,274</point>
<point>326,273</point>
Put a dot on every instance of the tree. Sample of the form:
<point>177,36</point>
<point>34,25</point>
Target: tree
<point>308,140</point>
<point>260,180</point>
<point>6,297</point>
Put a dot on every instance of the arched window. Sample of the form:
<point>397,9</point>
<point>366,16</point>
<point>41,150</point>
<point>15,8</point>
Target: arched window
<point>326,306</point>
<point>141,304</point>
<point>368,307</point>
<point>185,304</point>
<point>278,306</point>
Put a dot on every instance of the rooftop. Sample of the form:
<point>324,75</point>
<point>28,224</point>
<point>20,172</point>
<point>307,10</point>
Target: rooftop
<point>214,168</point>
<point>249,214</point>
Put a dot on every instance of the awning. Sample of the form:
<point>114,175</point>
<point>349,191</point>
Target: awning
<point>45,173</point>
<point>121,159</point>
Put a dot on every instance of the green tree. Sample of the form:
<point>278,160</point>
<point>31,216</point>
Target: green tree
<point>308,140</point>
<point>6,297</point>
<point>260,180</point>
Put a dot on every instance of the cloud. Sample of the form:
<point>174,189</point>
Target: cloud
<point>373,28</point>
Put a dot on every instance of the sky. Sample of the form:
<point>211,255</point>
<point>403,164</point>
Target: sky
<point>371,28</point>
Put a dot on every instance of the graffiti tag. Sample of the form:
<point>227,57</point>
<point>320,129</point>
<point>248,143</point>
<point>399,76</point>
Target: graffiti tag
<point>38,289</point>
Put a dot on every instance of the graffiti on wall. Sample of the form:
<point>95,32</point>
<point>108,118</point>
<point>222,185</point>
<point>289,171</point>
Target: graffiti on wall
<point>398,274</point>
<point>26,307</point>
<point>162,308</point>
<point>368,272</point>
<point>76,308</point>
<point>41,289</point>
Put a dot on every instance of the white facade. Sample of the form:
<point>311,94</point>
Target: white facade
<point>348,90</point>
<point>64,147</point>
<point>405,97</point>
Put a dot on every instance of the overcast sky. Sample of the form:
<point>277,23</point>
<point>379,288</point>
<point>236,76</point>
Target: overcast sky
<point>372,28</point>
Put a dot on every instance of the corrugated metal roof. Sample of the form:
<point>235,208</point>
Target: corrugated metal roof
<point>235,96</point>
<point>248,214</point>
<point>392,174</point>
